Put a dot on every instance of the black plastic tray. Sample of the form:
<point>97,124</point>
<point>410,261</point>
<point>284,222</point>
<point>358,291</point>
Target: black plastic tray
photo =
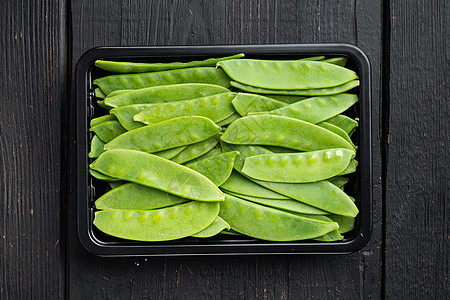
<point>89,189</point>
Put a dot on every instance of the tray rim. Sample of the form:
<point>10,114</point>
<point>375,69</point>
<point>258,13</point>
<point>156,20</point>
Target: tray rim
<point>82,78</point>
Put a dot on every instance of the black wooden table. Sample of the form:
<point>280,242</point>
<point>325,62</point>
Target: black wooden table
<point>408,45</point>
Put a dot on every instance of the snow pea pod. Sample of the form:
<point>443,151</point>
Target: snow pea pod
<point>102,119</point>
<point>117,92</point>
<point>340,61</point>
<point>165,93</point>
<point>215,107</point>
<point>134,196</point>
<point>229,120</point>
<point>216,168</point>
<point>271,224</point>
<point>157,225</point>
<point>307,92</point>
<point>102,176</point>
<point>282,131</point>
<point>211,152</point>
<point>107,131</point>
<point>339,181</point>
<point>285,74</point>
<point>289,99</point>
<point>114,184</point>
<point>298,167</point>
<point>96,147</point>
<point>153,171</point>
<point>125,114</point>
<point>321,194</point>
<point>286,204</point>
<point>209,75</point>
<point>132,67</point>
<point>195,150</point>
<point>351,167</point>
<point>99,93</point>
<point>315,109</point>
<point>216,227</point>
<point>345,123</point>
<point>337,130</point>
<point>169,153</point>
<point>239,184</point>
<point>244,152</point>
<point>165,135</point>
<point>345,223</point>
<point>245,103</point>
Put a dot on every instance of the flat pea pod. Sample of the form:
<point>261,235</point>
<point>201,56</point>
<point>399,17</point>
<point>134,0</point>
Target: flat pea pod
<point>307,92</point>
<point>298,167</point>
<point>99,93</point>
<point>133,67</point>
<point>163,224</point>
<point>337,130</point>
<point>321,194</point>
<point>117,92</point>
<point>315,109</point>
<point>102,119</point>
<point>211,152</point>
<point>340,61</point>
<point>287,204</point>
<point>125,114</point>
<point>289,99</point>
<point>96,147</point>
<point>216,168</point>
<point>215,107</point>
<point>107,131</point>
<point>169,153</point>
<point>244,152</point>
<point>102,176</point>
<point>134,196</point>
<point>273,130</point>
<point>313,58</point>
<point>345,123</point>
<point>114,184</point>
<point>331,236</point>
<point>239,184</point>
<point>271,224</point>
<point>164,135</point>
<point>245,103</point>
<point>276,149</point>
<point>195,150</point>
<point>207,75</point>
<point>339,181</point>
<point>286,74</point>
<point>153,171</point>
<point>229,120</point>
<point>216,227</point>
<point>346,224</point>
<point>165,93</point>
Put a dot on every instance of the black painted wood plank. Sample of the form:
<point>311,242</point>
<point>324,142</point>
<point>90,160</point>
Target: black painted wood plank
<point>101,22</point>
<point>32,97</point>
<point>418,183</point>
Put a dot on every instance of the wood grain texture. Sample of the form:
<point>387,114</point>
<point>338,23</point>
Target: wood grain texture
<point>418,183</point>
<point>102,22</point>
<point>32,95</point>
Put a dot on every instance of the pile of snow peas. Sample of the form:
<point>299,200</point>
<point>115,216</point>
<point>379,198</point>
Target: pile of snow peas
<point>230,145</point>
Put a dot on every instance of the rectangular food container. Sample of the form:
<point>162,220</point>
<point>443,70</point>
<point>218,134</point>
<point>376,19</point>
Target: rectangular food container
<point>89,189</point>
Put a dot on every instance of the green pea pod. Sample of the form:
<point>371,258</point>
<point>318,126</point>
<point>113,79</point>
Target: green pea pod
<point>117,92</point>
<point>289,99</point>
<point>195,150</point>
<point>165,93</point>
<point>102,119</point>
<point>102,176</point>
<point>276,149</point>
<point>114,184</point>
<point>107,131</point>
<point>215,107</point>
<point>215,228</point>
<point>229,120</point>
<point>307,92</point>
<point>345,123</point>
<point>206,75</point>
<point>346,224</point>
<point>239,184</point>
<point>164,135</point>
<point>125,114</point>
<point>338,131</point>
<point>153,171</point>
<point>340,61</point>
<point>339,181</point>
<point>321,194</point>
<point>245,103</point>
<point>271,224</point>
<point>132,67</point>
<point>282,131</point>
<point>244,152</point>
<point>134,196</point>
<point>216,168</point>
<point>287,204</point>
<point>170,153</point>
<point>315,109</point>
<point>99,93</point>
<point>298,167</point>
<point>287,75</point>
<point>351,167</point>
<point>210,153</point>
<point>164,224</point>
<point>96,147</point>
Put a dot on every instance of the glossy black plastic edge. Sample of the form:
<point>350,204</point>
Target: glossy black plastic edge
<point>365,149</point>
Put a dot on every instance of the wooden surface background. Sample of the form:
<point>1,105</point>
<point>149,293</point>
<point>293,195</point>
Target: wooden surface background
<point>407,43</point>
